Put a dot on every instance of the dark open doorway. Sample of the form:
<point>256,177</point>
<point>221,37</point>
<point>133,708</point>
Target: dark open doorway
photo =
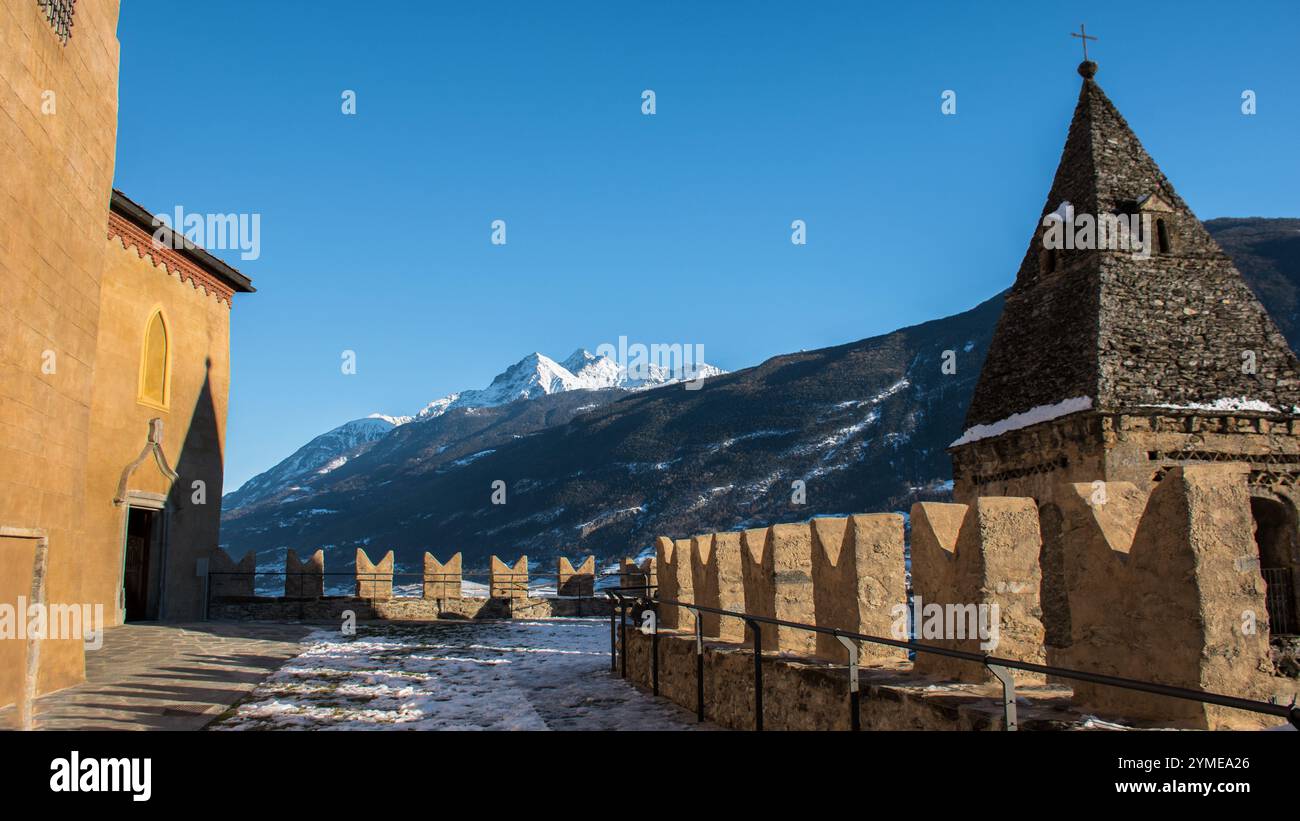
<point>1275,535</point>
<point>142,569</point>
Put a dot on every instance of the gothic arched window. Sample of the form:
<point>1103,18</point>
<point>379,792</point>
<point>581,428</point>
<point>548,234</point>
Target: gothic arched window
<point>154,361</point>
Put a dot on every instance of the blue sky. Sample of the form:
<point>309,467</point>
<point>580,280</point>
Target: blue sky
<point>375,228</point>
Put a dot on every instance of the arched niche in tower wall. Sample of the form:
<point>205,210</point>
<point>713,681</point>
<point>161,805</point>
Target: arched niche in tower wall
<point>1277,538</point>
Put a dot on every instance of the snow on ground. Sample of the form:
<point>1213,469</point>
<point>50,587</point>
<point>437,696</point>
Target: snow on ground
<point>501,675</point>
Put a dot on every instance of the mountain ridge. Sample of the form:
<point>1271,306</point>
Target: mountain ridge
<point>532,376</point>
<point>864,425</point>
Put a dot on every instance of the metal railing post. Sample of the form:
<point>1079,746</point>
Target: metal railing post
<point>654,649</point>
<point>758,672</point>
<point>622,631</point>
<point>1008,695</point>
<point>613,643</point>
<point>855,720</point>
<point>699,668</point>
<point>1000,667</point>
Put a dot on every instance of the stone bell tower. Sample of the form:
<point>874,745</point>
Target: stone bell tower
<point>1115,364</point>
<point>1117,361</point>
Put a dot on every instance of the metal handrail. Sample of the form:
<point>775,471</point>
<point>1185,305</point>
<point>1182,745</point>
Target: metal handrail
<point>996,664</point>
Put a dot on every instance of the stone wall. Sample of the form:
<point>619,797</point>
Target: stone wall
<point>757,575</point>
<point>441,593</point>
<point>58,130</point>
<point>776,567</point>
<point>844,573</point>
<point>1127,447</point>
<point>808,694</point>
<point>650,568</point>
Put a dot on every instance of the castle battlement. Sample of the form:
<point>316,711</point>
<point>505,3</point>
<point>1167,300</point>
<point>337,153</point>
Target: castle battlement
<point>1161,585</point>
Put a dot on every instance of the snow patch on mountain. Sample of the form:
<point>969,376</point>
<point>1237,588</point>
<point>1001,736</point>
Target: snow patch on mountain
<point>538,375</point>
<point>321,455</point>
<point>437,407</point>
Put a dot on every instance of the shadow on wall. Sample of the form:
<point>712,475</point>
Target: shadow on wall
<point>194,507</point>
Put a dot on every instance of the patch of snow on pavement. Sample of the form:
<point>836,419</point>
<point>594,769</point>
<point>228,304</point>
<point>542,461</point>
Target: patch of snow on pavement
<point>502,675</point>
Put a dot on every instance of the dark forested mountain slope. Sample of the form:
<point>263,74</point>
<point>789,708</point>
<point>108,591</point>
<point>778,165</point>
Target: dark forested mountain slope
<point>863,426</point>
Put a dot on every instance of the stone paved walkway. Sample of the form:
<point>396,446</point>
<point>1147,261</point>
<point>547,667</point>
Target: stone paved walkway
<point>166,676</point>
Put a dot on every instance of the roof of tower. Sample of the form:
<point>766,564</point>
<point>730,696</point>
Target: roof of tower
<point>1174,328</point>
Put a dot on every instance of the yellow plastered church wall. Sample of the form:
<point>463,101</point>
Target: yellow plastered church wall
<point>193,418</point>
<point>54,195</point>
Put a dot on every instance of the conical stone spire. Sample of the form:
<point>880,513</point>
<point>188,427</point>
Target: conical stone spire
<point>1112,329</point>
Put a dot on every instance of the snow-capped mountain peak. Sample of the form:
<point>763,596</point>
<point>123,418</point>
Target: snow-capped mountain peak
<point>539,375</point>
<point>533,376</point>
<point>592,372</point>
<point>595,371</point>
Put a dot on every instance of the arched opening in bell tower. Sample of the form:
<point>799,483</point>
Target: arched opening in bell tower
<point>1279,554</point>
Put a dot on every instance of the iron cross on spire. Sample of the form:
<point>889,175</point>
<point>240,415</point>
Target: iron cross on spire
<point>1085,37</point>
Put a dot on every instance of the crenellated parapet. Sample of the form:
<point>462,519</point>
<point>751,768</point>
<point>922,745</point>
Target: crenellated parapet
<point>975,584</point>
<point>304,579</point>
<point>374,579</point>
<point>442,579</point>
<point>844,573</point>
<point>576,582</point>
<point>777,563</point>
<point>506,582</point>
<point>230,578</point>
<point>633,575</point>
<point>1166,586</point>
<point>717,582</point>
<point>1162,585</point>
<point>650,567</point>
<point>858,575</point>
<point>673,561</point>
